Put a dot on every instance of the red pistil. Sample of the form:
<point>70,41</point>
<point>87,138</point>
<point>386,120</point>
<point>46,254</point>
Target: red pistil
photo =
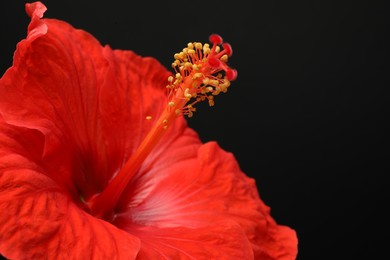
<point>228,49</point>
<point>215,39</point>
<point>197,78</point>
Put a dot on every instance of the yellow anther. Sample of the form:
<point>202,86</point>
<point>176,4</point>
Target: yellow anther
<point>188,65</point>
<point>177,111</point>
<point>190,110</point>
<point>195,67</point>
<point>171,104</point>
<point>170,79</point>
<point>191,51</point>
<point>177,56</point>
<point>209,89</point>
<point>224,86</point>
<point>148,117</point>
<point>206,49</point>
<point>217,91</point>
<point>198,45</point>
<point>225,83</point>
<point>187,94</point>
<point>178,76</point>
<point>190,45</point>
<point>217,49</point>
<point>211,101</point>
<point>197,75</point>
<point>213,82</point>
<point>224,58</point>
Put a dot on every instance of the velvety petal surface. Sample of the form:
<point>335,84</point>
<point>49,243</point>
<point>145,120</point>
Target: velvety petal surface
<point>38,219</point>
<point>201,192</point>
<point>223,240</point>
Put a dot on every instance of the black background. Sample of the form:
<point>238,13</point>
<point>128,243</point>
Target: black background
<point>306,117</point>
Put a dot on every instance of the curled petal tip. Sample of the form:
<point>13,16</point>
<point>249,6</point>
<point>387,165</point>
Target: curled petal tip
<point>35,9</point>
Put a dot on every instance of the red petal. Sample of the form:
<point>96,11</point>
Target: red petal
<point>203,190</point>
<point>89,102</point>
<point>220,241</point>
<point>38,220</point>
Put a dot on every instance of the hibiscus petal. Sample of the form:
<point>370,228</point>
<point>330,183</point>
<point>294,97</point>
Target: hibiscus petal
<point>89,101</point>
<point>207,189</point>
<point>38,219</point>
<point>220,241</point>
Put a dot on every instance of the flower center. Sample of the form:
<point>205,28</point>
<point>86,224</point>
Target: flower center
<point>201,73</point>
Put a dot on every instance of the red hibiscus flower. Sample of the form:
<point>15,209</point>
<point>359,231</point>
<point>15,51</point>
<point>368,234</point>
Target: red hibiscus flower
<point>97,161</point>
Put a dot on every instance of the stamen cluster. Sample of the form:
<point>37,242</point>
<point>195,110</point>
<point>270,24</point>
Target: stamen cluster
<point>201,73</point>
